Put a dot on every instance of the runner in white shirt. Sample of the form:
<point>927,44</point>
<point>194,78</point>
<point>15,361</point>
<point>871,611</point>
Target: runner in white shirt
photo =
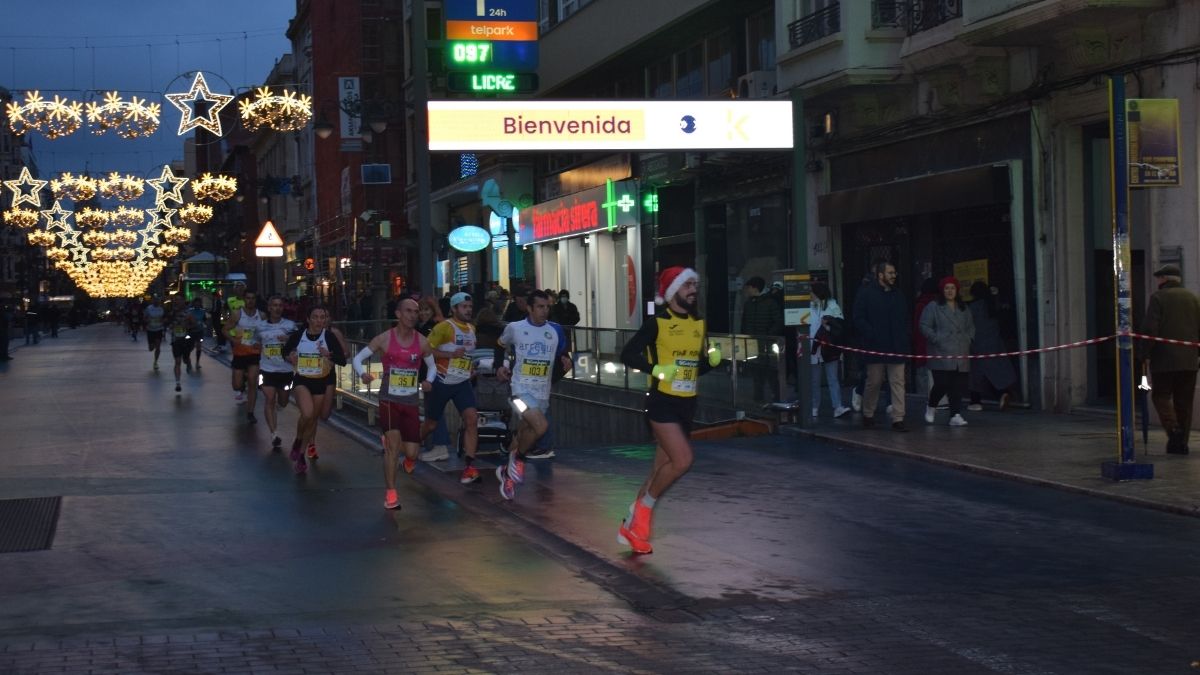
<point>539,346</point>
<point>154,316</point>
<point>276,372</point>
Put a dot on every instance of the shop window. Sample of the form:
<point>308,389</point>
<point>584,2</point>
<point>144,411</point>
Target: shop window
<point>719,59</point>
<point>760,40</point>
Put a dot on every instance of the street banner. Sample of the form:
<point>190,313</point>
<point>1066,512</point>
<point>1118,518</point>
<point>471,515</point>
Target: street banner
<point>1153,133</point>
<point>797,299</point>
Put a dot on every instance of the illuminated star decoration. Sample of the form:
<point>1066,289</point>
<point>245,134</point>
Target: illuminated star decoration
<point>56,217</point>
<point>160,215</point>
<point>185,102</point>
<point>162,194</point>
<point>35,189</point>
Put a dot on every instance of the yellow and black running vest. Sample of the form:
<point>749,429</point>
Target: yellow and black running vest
<point>680,342</point>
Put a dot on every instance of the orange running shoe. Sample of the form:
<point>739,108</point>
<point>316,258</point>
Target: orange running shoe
<point>409,464</point>
<point>312,451</point>
<point>635,531</point>
<point>391,500</point>
<point>469,475</point>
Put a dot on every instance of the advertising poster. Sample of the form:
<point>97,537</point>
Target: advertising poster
<point>1153,133</point>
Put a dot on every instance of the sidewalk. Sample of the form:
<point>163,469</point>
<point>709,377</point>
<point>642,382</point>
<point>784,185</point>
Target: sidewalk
<point>1056,450</point>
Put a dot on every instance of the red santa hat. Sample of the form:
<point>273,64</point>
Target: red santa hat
<point>671,280</point>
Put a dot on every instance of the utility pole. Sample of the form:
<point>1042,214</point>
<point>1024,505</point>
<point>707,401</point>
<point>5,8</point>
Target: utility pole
<point>800,248</point>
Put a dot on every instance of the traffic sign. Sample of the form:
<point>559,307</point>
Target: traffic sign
<point>269,244</point>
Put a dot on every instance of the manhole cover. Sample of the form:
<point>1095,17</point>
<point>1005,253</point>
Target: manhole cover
<point>28,524</point>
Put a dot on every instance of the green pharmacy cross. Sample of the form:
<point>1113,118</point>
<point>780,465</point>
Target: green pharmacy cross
<point>650,202</point>
<point>612,203</point>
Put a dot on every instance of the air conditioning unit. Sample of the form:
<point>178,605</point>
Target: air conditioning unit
<point>756,84</point>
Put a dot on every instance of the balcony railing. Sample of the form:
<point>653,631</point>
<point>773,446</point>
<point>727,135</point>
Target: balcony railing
<point>925,14</point>
<point>815,26</point>
<point>889,13</point>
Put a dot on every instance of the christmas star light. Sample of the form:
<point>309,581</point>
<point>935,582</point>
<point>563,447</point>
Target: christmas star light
<point>57,216</point>
<point>199,91</point>
<point>33,198</point>
<point>162,194</point>
<point>160,215</point>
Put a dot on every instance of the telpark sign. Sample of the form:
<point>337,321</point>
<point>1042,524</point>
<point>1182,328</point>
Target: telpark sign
<point>470,125</point>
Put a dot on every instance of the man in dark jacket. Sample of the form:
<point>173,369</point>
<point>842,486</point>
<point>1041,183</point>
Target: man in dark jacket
<point>881,319</point>
<point>762,319</point>
<point>564,312</point>
<point>1173,313</point>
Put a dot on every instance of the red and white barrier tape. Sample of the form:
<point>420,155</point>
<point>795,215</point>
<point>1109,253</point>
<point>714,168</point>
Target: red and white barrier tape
<point>996,355</point>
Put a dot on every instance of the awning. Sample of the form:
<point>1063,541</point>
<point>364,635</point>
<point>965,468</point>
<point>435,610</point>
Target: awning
<point>980,186</point>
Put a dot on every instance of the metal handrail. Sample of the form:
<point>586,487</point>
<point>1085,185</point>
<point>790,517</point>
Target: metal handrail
<point>751,374</point>
<point>926,14</point>
<point>813,27</point>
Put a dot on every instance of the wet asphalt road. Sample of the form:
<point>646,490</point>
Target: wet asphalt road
<point>179,526</point>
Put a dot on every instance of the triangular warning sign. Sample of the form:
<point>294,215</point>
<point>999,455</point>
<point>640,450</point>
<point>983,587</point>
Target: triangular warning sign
<point>269,236</point>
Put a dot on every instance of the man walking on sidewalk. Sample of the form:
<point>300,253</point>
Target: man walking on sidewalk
<point>403,350</point>
<point>1173,313</point>
<point>882,321</point>
<point>670,347</point>
<point>540,349</point>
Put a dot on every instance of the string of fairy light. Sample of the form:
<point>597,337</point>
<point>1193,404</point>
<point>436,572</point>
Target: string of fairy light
<point>114,252</point>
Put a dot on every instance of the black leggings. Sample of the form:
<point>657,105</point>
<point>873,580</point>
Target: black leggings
<point>949,383</point>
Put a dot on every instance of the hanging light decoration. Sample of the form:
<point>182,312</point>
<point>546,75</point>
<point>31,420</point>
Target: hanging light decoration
<point>123,253</point>
<point>214,188</point>
<point>56,253</point>
<point>77,188</point>
<point>52,119</point>
<point>41,238</point>
<point>168,251</point>
<point>22,218</point>
<point>95,238</point>
<point>288,111</point>
<point>127,216</point>
<point>89,217</point>
<point>128,119</point>
<point>123,237</point>
<point>124,188</point>
<point>196,214</point>
<point>177,235</point>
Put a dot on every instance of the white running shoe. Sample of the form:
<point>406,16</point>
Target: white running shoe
<point>975,407</point>
<point>929,415</point>
<point>439,453</point>
<point>840,411</point>
<point>958,421</point>
<point>816,412</point>
<point>856,401</point>
<point>540,454</point>
<point>239,397</point>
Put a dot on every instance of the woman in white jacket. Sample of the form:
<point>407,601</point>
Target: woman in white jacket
<point>826,326</point>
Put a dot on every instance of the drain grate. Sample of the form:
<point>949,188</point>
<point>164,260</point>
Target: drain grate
<point>28,524</point>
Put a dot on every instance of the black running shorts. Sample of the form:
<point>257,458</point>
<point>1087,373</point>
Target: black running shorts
<point>667,409</point>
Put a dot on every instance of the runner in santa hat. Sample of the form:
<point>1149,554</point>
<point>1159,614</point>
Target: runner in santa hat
<point>672,347</point>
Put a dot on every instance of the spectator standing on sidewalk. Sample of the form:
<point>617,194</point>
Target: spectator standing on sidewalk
<point>33,325</point>
<point>882,322</point>
<point>564,312</point>
<point>1173,313</point>
<point>761,320</point>
<point>929,293</point>
<point>948,329</point>
<point>826,326</point>
<point>996,373</point>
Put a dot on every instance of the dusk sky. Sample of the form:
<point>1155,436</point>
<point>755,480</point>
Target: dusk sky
<point>83,49</point>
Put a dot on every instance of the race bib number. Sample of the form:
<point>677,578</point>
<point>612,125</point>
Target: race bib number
<point>402,382</point>
<point>539,368</point>
<point>309,365</point>
<point>273,351</point>
<point>685,375</point>
<point>248,336</point>
<point>460,366</point>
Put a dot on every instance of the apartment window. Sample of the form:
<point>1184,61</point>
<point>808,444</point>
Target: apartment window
<point>925,14</point>
<point>719,55</point>
<point>371,50</point>
<point>568,7</point>
<point>760,40</point>
<point>659,81</point>
<point>689,64</point>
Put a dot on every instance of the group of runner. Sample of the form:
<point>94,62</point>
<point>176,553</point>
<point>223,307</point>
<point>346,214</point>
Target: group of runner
<point>185,327</point>
<point>531,354</point>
